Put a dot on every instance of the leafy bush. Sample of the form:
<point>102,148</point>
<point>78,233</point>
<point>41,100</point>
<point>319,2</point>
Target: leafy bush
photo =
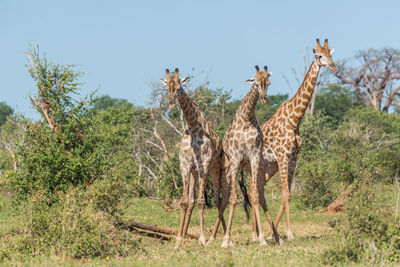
<point>317,190</point>
<point>75,143</point>
<point>368,232</point>
<point>76,224</point>
<point>364,146</point>
<point>165,184</point>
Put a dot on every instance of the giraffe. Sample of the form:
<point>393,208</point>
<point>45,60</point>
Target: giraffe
<point>243,143</point>
<point>282,141</point>
<point>199,155</point>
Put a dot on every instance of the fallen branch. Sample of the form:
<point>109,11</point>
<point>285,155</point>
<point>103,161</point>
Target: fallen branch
<point>340,203</point>
<point>134,224</point>
<point>153,235</point>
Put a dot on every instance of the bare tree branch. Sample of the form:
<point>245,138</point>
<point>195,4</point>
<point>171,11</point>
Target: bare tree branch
<point>374,78</point>
<point>170,124</point>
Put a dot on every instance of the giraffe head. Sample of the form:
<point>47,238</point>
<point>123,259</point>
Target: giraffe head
<point>261,82</point>
<point>323,55</point>
<point>173,84</point>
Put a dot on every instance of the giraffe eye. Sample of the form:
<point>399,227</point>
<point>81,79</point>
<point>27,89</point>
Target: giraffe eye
<point>319,56</point>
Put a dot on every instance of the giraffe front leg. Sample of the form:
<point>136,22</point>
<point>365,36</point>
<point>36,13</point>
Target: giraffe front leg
<point>255,162</point>
<point>263,204</point>
<point>184,205</point>
<point>283,171</point>
<point>200,204</point>
<point>191,202</point>
<point>254,234</point>
<point>291,168</point>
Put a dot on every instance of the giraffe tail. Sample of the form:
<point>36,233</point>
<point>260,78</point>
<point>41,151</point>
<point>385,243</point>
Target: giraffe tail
<point>246,201</point>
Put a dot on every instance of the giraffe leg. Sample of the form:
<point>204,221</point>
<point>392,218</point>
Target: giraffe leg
<point>201,202</point>
<point>255,163</point>
<point>254,234</point>
<point>283,170</point>
<point>263,204</point>
<point>292,167</point>
<point>254,226</point>
<point>232,202</point>
<point>271,169</point>
<point>192,197</point>
<point>184,205</point>
<point>216,181</point>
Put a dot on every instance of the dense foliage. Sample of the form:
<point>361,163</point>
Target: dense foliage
<point>368,231</point>
<point>364,146</point>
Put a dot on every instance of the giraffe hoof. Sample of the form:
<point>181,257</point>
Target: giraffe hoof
<point>261,238</point>
<point>289,235</point>
<point>178,242</point>
<point>202,241</point>
<point>254,237</point>
<point>231,244</point>
<point>226,242</point>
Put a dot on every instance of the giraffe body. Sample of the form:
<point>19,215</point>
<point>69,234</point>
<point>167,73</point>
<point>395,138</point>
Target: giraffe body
<point>282,141</point>
<point>242,144</point>
<point>199,155</point>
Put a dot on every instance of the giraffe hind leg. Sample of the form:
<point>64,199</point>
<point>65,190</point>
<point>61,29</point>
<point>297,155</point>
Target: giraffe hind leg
<point>232,203</point>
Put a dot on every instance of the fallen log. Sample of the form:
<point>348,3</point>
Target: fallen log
<point>168,231</point>
<point>152,235</point>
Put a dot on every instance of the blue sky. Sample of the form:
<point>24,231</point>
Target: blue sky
<point>124,46</point>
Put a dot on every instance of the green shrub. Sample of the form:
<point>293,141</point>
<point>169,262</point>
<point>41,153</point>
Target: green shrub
<point>165,184</point>
<point>368,231</point>
<point>76,224</point>
<point>317,190</point>
<point>365,146</point>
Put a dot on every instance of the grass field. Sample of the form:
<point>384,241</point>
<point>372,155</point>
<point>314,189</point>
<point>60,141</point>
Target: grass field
<point>312,236</point>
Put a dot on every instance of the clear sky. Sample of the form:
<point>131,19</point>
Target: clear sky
<point>124,46</point>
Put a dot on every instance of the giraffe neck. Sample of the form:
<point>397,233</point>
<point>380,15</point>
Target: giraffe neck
<point>302,98</point>
<point>193,115</point>
<point>247,108</point>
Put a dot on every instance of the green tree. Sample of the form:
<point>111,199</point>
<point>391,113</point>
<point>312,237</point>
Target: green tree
<point>334,101</point>
<point>104,102</point>
<point>66,147</point>
<point>365,146</point>
<point>5,111</point>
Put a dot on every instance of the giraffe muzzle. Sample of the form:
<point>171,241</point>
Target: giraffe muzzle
<point>332,67</point>
<point>264,100</point>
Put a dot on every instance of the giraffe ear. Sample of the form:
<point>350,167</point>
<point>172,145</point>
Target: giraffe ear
<point>270,74</point>
<point>164,81</point>
<point>185,80</point>
<point>331,51</point>
<point>250,81</point>
<point>313,50</point>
